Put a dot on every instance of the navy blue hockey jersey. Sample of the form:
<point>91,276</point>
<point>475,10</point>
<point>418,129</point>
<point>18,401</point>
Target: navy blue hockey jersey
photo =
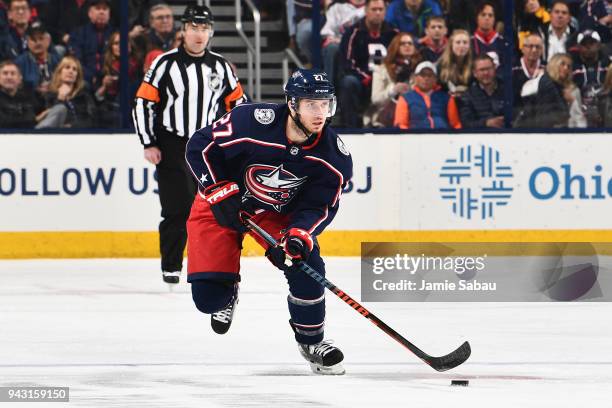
<point>249,146</point>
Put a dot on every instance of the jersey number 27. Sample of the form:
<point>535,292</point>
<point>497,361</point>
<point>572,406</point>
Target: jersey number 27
<point>223,127</point>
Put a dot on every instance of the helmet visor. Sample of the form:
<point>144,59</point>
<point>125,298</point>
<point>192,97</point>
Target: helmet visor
<point>325,106</point>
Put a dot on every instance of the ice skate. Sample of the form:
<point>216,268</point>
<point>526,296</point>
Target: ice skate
<point>323,357</point>
<point>171,278</point>
<point>222,320</point>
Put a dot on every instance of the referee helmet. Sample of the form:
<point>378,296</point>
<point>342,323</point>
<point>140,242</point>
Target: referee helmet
<point>198,15</point>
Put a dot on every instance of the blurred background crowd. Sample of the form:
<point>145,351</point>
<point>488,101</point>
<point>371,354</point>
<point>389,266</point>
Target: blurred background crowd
<point>407,64</point>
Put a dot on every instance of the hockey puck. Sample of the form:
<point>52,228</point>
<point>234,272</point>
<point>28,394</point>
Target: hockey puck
<point>460,383</point>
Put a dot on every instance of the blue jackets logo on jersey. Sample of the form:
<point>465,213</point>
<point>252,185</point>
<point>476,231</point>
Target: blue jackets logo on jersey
<point>271,185</point>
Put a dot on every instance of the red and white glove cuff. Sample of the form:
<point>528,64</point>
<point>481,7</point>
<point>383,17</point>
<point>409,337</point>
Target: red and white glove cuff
<point>302,235</point>
<point>220,191</point>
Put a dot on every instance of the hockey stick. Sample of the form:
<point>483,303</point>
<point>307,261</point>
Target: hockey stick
<point>441,363</point>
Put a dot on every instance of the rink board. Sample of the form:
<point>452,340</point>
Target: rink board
<point>95,196</point>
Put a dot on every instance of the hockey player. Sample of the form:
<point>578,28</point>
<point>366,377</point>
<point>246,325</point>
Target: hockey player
<point>285,167</point>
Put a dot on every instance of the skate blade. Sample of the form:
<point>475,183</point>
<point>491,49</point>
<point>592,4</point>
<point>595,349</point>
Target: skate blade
<point>336,369</point>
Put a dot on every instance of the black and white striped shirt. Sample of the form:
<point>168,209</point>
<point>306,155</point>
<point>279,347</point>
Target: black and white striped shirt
<point>181,94</point>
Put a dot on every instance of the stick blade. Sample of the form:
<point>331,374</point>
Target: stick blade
<point>451,360</point>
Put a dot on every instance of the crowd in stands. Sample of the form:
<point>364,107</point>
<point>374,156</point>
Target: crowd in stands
<point>60,59</point>
<point>436,64</point>
<point>410,64</point>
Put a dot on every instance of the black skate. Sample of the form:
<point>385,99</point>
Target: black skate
<point>222,320</point>
<point>171,277</point>
<point>323,357</point>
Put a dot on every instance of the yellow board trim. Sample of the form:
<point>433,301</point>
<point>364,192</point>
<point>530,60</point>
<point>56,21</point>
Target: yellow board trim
<point>112,244</point>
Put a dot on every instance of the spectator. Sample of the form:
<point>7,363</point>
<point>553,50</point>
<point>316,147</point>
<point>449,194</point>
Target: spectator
<point>455,64</point>
<point>139,12</point>
<point>435,40</point>
<point>107,95</point>
<point>589,72</point>
<point>531,17</point>
<point>483,104</point>
<point>363,46</point>
<point>61,17</point>
<point>577,117</point>
<point>426,106</point>
<point>161,34</point>
<point>392,78</point>
<point>558,32</point>
<point>445,6</point>
<point>38,63</point>
<point>338,17</point>
<point>88,42</point>
<point>270,9</point>
<point>605,101</point>
<point>548,108</point>
<point>69,104</point>
<point>142,36</point>
<point>151,55</point>
<point>600,10</point>
<point>590,66</point>
<point>485,39</point>
<point>410,16</point>
<point>529,66</point>
<point>463,12</point>
<point>18,106</point>
<point>597,14</point>
<point>13,42</point>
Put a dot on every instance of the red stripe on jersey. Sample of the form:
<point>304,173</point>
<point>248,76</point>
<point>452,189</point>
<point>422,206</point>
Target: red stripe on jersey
<point>316,142</point>
<point>212,173</point>
<point>249,140</point>
<point>319,221</point>
<point>332,168</point>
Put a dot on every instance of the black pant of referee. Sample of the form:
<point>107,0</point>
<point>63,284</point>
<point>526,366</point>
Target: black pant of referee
<point>177,188</point>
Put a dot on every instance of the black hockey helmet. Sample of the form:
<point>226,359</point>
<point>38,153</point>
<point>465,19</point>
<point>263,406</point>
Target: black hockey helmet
<point>198,14</point>
<point>310,84</point>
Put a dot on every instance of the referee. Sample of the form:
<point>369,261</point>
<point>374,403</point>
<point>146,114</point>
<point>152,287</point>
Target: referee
<point>185,89</point>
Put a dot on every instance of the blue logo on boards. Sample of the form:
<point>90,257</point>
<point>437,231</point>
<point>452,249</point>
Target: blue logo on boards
<point>476,182</point>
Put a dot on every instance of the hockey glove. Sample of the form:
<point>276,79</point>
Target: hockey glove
<point>224,200</point>
<point>296,244</point>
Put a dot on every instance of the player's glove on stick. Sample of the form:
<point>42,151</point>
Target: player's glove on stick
<point>224,200</point>
<point>297,244</point>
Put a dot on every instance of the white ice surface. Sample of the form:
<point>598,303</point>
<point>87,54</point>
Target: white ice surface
<point>112,332</point>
